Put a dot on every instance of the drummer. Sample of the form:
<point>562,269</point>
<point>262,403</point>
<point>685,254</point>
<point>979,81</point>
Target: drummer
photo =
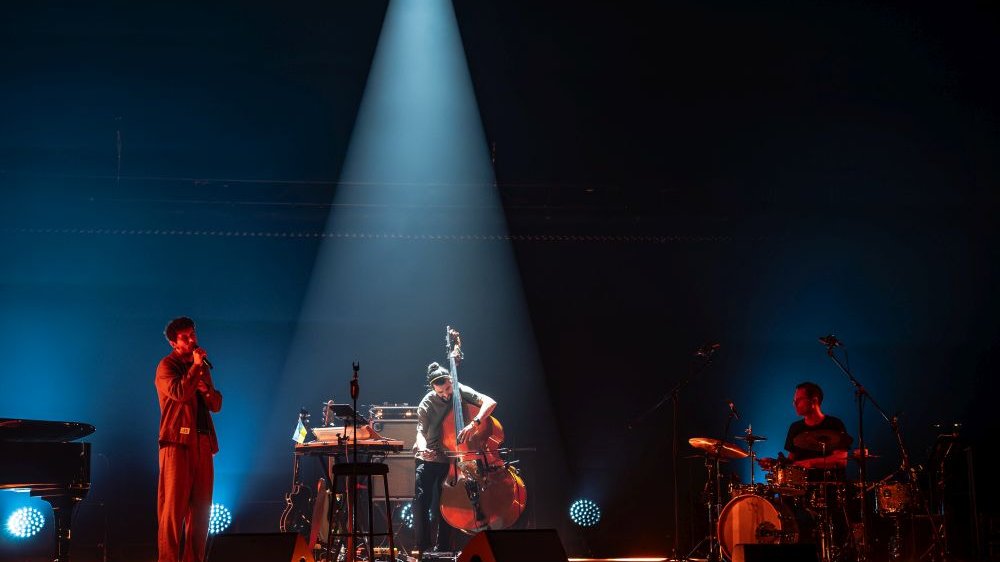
<point>817,442</point>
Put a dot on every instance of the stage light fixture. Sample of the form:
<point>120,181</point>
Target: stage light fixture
<point>219,519</point>
<point>585,513</point>
<point>25,522</point>
<point>406,515</point>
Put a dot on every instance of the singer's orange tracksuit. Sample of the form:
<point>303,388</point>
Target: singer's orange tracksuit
<point>184,495</point>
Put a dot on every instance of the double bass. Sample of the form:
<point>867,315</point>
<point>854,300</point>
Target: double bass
<point>481,491</point>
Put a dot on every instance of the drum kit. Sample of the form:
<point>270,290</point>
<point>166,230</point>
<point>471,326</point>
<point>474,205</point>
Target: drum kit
<point>794,504</point>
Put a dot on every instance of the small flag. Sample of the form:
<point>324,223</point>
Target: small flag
<point>299,435</point>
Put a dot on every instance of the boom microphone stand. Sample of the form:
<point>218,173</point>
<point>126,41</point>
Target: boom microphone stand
<point>860,394</point>
<point>715,510</point>
<point>703,358</point>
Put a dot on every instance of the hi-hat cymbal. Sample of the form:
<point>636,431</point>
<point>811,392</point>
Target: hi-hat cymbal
<point>823,439</point>
<point>716,447</point>
<point>751,438</point>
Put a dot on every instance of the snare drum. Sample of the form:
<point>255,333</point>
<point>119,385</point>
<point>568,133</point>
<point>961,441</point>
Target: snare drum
<point>893,498</point>
<point>787,480</point>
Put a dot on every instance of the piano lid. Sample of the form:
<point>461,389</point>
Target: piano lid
<point>12,429</point>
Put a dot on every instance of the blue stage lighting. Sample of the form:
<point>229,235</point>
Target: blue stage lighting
<point>219,519</point>
<point>25,522</point>
<point>585,513</point>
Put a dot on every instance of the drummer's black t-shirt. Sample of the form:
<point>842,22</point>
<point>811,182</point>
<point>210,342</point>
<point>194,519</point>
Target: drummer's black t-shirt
<point>829,423</point>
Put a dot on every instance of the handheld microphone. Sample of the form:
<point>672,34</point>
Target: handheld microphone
<point>204,358</point>
<point>830,341</point>
<point>732,408</point>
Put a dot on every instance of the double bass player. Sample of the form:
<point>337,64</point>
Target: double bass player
<point>432,462</point>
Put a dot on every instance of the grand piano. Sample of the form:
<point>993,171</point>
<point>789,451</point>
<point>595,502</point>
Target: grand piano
<point>45,458</point>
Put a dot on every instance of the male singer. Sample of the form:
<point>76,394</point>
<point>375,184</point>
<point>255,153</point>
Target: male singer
<point>187,443</point>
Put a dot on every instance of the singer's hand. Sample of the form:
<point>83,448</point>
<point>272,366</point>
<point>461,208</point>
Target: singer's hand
<point>203,386</point>
<point>199,354</point>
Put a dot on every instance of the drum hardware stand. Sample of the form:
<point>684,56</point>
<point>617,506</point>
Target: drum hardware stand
<point>824,531</point>
<point>938,550</point>
<point>714,484</point>
<point>896,540</point>
<point>750,438</point>
<point>709,498</point>
<point>703,358</point>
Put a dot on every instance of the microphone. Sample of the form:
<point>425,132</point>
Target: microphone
<point>830,341</point>
<point>707,350</point>
<point>732,408</point>
<point>355,388</point>
<point>204,359</point>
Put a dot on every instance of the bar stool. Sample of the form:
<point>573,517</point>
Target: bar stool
<point>350,472</point>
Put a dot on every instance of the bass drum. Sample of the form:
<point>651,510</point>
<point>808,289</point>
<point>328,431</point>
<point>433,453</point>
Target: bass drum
<point>753,519</point>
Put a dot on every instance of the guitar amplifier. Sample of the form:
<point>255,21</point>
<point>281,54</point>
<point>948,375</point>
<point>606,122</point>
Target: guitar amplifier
<point>404,430</point>
<point>395,421</point>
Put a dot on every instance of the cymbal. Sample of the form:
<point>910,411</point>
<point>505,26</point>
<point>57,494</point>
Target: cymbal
<point>711,446</point>
<point>751,438</point>
<point>820,439</point>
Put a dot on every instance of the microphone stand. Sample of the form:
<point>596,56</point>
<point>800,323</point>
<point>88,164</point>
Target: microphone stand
<point>355,391</point>
<point>352,502</point>
<point>714,546</point>
<point>705,354</point>
<point>860,393</point>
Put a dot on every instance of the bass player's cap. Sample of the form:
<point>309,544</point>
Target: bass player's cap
<point>435,373</point>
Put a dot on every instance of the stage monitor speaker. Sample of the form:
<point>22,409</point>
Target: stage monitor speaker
<point>522,545</point>
<point>260,547</point>
<point>774,553</point>
<point>402,477</point>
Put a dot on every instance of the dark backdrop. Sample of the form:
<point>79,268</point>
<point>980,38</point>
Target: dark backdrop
<point>672,174</point>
